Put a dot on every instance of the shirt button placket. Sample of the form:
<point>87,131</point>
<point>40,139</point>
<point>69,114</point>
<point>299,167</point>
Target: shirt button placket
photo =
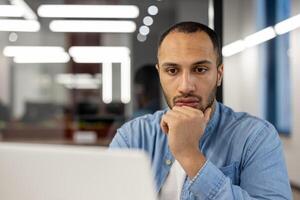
<point>168,162</point>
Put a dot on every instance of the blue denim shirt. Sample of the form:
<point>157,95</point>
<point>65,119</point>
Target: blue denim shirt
<point>244,156</point>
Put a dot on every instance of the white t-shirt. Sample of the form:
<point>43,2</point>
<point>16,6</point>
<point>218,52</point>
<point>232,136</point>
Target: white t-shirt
<point>172,187</point>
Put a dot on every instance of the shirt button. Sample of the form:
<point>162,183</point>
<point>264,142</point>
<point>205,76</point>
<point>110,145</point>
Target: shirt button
<point>168,162</point>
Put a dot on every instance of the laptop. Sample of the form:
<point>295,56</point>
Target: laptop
<point>58,172</point>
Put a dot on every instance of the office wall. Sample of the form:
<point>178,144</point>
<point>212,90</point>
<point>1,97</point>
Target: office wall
<point>241,72</point>
<point>243,75</point>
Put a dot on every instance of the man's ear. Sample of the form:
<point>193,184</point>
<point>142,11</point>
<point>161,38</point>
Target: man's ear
<point>157,67</point>
<point>220,71</point>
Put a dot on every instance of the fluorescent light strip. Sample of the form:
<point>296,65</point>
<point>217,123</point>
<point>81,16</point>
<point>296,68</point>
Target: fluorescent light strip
<point>59,58</point>
<point>107,82</point>
<point>99,26</point>
<point>11,11</point>
<point>107,55</point>
<point>89,11</point>
<point>98,54</point>
<point>78,81</point>
<point>288,25</point>
<point>260,37</point>
<point>16,51</point>
<point>233,48</point>
<point>36,54</point>
<point>28,12</point>
<point>17,25</point>
<point>125,81</point>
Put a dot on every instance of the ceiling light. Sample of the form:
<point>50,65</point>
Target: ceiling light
<point>17,25</point>
<point>288,25</point>
<point>28,13</point>
<point>233,48</point>
<point>107,82</point>
<point>57,58</point>
<point>144,30</point>
<point>14,51</point>
<point>152,10</point>
<point>148,21</point>
<point>78,81</point>
<point>36,54</point>
<point>98,54</point>
<point>92,26</point>
<point>125,81</point>
<point>11,11</point>
<point>107,56</point>
<point>141,38</point>
<point>13,37</point>
<point>89,11</point>
<point>260,37</point>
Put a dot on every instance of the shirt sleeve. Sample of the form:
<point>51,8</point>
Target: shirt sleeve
<point>119,141</point>
<point>263,173</point>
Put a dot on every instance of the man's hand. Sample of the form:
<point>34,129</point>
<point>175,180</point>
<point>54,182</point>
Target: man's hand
<point>185,127</point>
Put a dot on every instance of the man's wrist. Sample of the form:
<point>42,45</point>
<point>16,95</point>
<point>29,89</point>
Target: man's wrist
<point>192,163</point>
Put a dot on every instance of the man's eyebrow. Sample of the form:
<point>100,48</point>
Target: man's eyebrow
<point>170,64</point>
<point>202,62</point>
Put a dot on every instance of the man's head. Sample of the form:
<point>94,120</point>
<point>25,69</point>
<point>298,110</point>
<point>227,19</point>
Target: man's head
<point>190,65</point>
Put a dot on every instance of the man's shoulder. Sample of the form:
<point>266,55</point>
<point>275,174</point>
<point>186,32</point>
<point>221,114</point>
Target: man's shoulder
<point>245,132</point>
<point>243,127</point>
<point>141,131</point>
<point>242,119</point>
<point>150,119</point>
<point>149,123</point>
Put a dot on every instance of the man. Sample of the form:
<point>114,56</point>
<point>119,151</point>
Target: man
<point>199,148</point>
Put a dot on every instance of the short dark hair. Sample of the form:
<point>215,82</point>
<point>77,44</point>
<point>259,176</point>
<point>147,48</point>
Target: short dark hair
<point>192,27</point>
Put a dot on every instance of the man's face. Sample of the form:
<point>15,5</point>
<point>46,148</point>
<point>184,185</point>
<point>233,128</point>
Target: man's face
<point>188,71</point>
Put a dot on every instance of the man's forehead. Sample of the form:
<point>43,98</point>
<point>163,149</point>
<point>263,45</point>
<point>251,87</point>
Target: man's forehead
<point>175,41</point>
<point>182,38</point>
<point>193,46</point>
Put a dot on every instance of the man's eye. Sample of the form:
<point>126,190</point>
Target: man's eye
<point>200,69</point>
<point>172,71</point>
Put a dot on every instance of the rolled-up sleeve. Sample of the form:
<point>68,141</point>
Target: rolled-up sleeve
<point>263,174</point>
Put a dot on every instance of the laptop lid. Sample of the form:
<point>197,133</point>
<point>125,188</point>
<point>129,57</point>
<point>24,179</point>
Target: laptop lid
<point>57,172</point>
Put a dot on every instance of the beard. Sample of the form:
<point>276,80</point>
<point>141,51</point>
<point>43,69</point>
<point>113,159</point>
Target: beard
<point>202,106</point>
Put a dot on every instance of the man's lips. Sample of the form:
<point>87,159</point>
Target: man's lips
<point>191,102</point>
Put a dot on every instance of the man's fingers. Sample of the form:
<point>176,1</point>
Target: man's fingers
<point>164,125</point>
<point>181,111</point>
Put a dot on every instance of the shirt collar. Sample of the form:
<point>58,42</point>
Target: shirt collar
<point>214,119</point>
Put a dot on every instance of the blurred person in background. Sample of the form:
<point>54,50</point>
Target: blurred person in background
<point>147,90</point>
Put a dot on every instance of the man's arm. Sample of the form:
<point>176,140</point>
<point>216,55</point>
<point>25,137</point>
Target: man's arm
<point>119,141</point>
<point>263,174</point>
<point>263,171</point>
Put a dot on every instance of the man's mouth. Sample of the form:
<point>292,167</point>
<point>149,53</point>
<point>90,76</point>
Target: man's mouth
<point>189,101</point>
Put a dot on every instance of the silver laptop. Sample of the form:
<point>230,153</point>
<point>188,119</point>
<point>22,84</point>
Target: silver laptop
<point>57,172</point>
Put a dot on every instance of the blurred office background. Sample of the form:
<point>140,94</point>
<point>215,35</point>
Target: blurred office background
<point>72,75</point>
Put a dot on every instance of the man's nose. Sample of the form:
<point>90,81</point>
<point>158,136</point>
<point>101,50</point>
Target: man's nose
<point>186,84</point>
